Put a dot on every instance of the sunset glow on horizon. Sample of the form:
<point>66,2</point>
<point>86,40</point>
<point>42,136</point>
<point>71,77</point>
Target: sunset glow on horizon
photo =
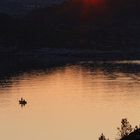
<point>93,7</point>
<point>94,2</point>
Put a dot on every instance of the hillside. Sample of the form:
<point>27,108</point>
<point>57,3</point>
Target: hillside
<point>108,26</point>
<point>133,136</point>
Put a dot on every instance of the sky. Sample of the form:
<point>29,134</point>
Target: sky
<point>24,6</point>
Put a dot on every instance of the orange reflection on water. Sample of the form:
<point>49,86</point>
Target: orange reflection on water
<point>72,102</point>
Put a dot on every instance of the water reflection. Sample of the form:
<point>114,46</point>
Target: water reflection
<point>76,101</point>
<point>111,69</point>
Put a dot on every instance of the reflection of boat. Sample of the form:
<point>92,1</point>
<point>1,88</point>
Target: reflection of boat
<point>22,101</point>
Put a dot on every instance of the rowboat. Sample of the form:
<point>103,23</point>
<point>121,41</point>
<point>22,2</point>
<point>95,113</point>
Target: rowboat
<point>22,101</point>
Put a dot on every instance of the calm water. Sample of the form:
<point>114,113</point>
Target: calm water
<point>73,102</point>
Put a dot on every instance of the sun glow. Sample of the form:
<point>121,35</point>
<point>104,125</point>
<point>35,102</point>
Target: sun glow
<point>94,2</point>
<point>93,8</point>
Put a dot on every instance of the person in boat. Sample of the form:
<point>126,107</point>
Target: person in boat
<point>23,101</point>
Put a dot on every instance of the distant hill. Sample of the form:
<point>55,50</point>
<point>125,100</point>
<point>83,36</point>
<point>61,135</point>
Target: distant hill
<point>108,26</point>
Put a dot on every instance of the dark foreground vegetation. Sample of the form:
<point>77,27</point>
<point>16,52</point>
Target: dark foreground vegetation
<point>111,27</point>
<point>133,136</point>
<point>126,132</point>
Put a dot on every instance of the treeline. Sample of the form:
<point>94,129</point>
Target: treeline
<point>125,131</point>
<point>113,27</point>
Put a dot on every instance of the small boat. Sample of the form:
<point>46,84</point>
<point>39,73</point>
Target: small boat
<point>22,101</point>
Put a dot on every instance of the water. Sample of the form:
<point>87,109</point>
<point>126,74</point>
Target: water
<point>71,102</point>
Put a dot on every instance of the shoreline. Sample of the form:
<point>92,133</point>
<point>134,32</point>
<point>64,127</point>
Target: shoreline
<point>68,54</point>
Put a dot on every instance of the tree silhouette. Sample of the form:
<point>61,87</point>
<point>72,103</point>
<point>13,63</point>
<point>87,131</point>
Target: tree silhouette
<point>125,128</point>
<point>102,137</point>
